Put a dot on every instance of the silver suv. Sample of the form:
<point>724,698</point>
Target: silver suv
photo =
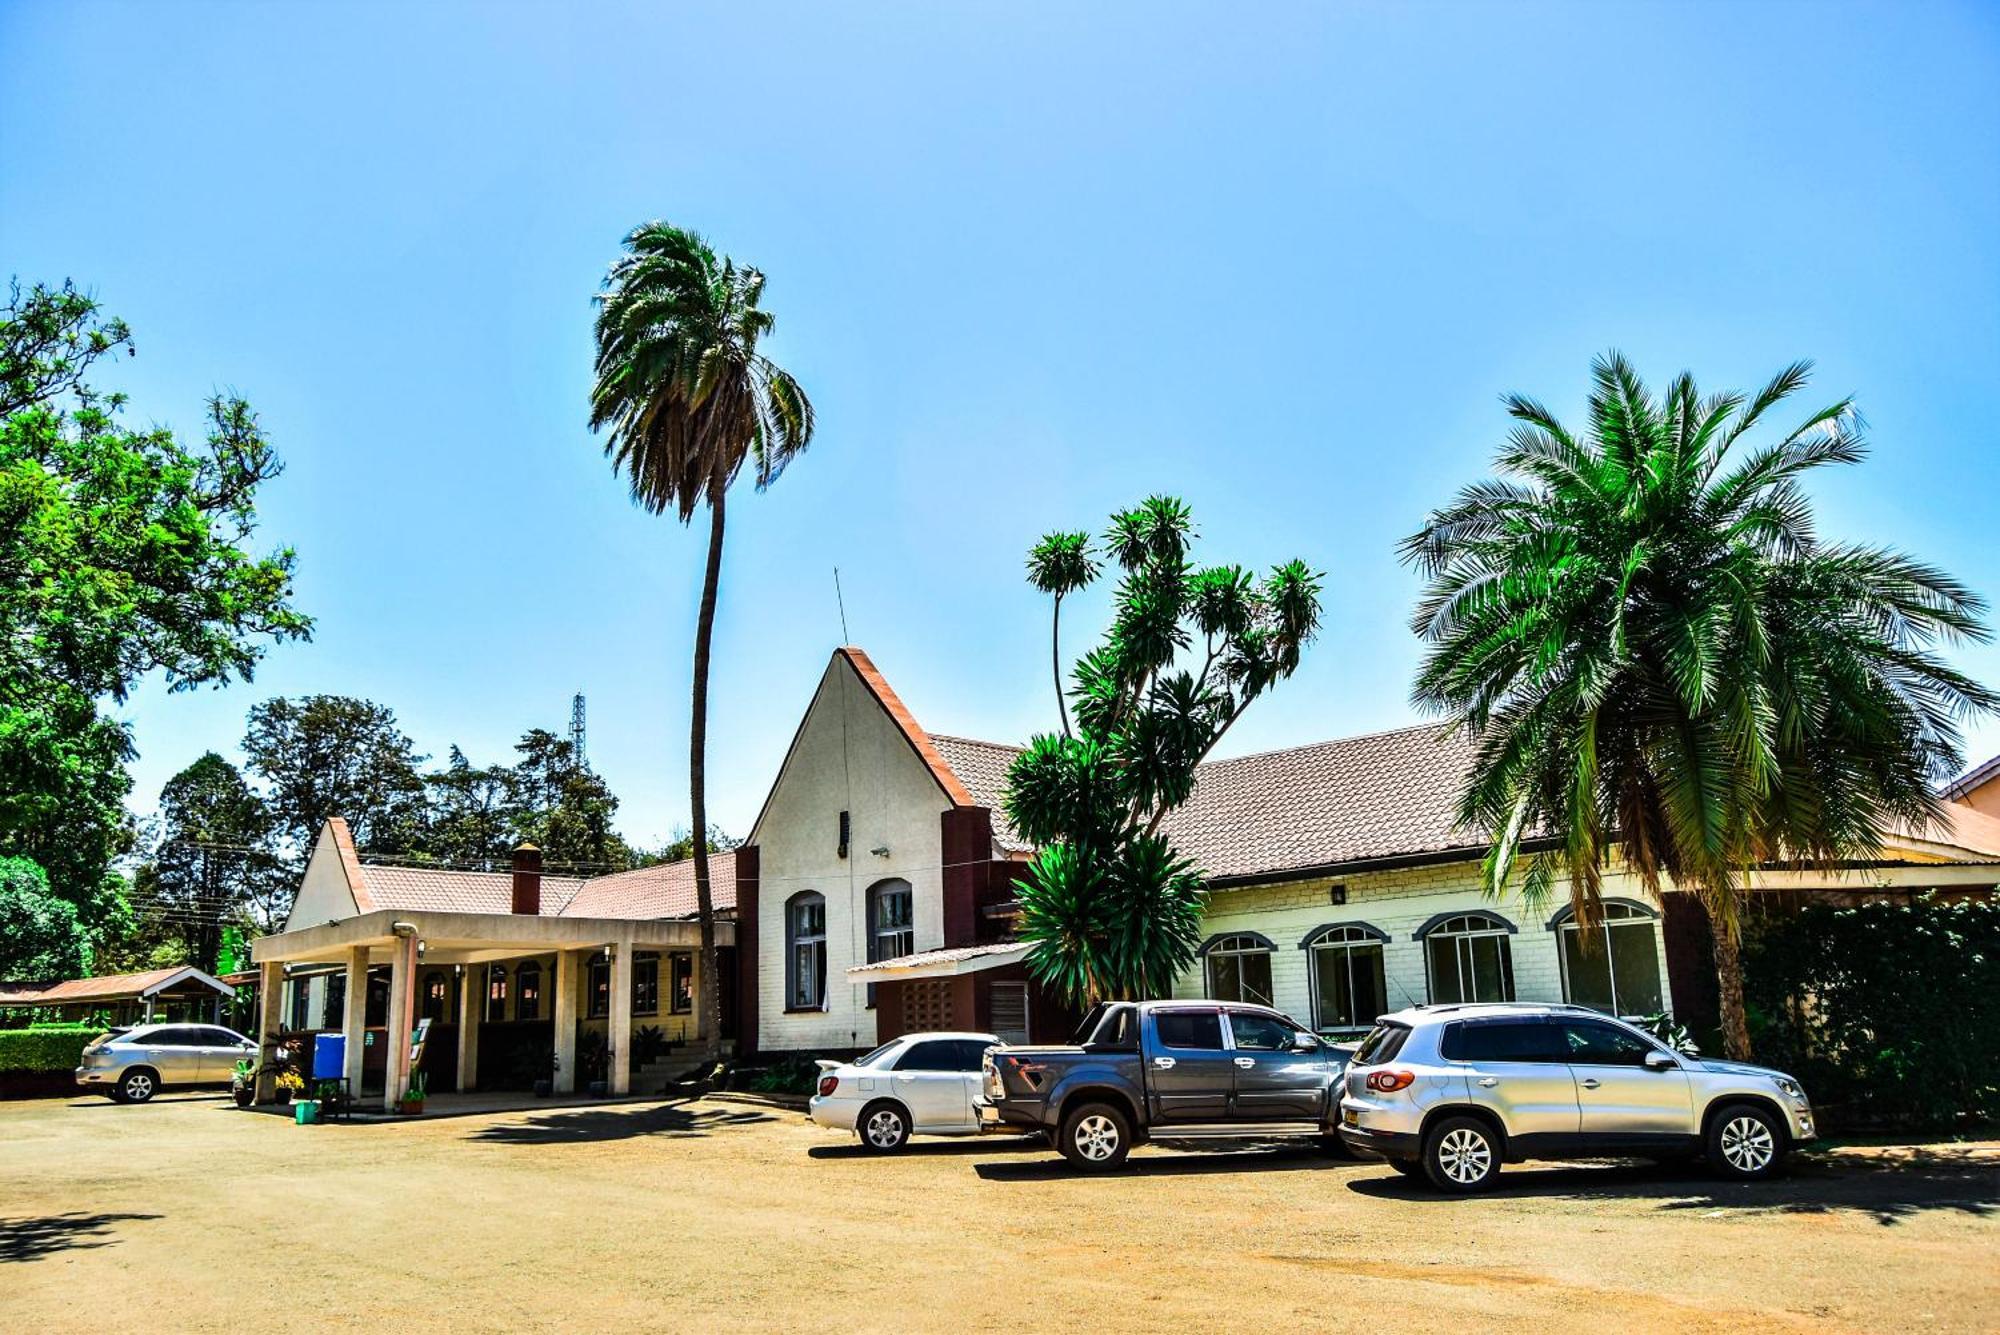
<point>132,1065</point>
<point>1451,1092</point>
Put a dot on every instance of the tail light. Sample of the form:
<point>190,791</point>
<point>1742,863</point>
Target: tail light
<point>827,1084</point>
<point>1388,1082</point>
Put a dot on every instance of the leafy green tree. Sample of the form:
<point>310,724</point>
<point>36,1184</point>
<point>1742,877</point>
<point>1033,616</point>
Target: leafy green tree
<point>212,864</point>
<point>335,755</point>
<point>44,941</point>
<point>473,814</point>
<point>1059,565</point>
<point>122,552</point>
<point>1113,911</point>
<point>1658,654</point>
<point>688,399</point>
<point>563,808</point>
<point>681,847</point>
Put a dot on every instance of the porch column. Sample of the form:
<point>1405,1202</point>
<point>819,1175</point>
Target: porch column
<point>565,1021</point>
<point>270,998</point>
<point>402,977</point>
<point>618,1029</point>
<point>695,1031</point>
<point>354,1019</point>
<point>471,996</point>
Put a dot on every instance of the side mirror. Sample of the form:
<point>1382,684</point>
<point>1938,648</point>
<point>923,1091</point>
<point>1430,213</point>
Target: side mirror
<point>1657,1060</point>
<point>1304,1042</point>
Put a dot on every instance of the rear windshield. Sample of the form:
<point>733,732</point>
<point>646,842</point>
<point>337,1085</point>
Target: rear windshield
<point>874,1058</point>
<point>1117,1029</point>
<point>1384,1041</point>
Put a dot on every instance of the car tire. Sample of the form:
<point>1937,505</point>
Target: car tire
<point>1745,1143</point>
<point>1461,1154</point>
<point>883,1127</point>
<point>1096,1137</point>
<point>138,1085</point>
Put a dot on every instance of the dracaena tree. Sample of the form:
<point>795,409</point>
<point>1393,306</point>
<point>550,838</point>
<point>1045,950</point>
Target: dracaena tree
<point>1659,656</point>
<point>1112,910</point>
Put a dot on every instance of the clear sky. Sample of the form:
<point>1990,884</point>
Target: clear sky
<point>1031,261</point>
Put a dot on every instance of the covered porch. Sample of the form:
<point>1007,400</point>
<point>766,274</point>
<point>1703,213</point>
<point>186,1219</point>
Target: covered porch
<point>539,989</point>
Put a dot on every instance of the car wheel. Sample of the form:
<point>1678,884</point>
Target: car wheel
<point>884,1127</point>
<point>1745,1143</point>
<point>1461,1154</point>
<point>1096,1136</point>
<point>137,1085</point>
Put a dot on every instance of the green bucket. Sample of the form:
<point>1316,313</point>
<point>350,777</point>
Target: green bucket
<point>306,1111</point>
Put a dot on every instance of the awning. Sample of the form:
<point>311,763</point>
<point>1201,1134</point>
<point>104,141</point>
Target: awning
<point>947,963</point>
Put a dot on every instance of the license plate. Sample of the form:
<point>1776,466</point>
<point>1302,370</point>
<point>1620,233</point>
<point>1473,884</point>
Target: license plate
<point>1349,1117</point>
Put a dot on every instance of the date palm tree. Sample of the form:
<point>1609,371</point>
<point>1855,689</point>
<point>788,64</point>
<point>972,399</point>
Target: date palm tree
<point>1658,654</point>
<point>688,401</point>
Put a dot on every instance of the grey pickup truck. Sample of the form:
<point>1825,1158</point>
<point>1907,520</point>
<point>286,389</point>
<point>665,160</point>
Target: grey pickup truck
<point>1141,1070</point>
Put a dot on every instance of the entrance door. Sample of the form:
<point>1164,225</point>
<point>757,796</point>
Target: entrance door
<point>1620,1095</point>
<point>1515,1067</point>
<point>1188,1071</point>
<point>932,1081</point>
<point>1273,1082</point>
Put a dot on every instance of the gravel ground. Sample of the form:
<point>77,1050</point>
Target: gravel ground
<point>190,1214</point>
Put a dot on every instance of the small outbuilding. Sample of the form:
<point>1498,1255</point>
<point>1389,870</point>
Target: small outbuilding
<point>185,993</point>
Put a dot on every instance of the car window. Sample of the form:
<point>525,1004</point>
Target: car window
<point>972,1053</point>
<point>1256,1032</point>
<point>218,1038</point>
<point>1382,1044</point>
<point>174,1038</point>
<point>1499,1041</point>
<point>1593,1043</point>
<point>935,1054</point>
<point>881,1054</point>
<point>1118,1030</point>
<point>1200,1030</point>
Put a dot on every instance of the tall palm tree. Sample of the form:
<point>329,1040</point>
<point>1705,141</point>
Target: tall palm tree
<point>688,400</point>
<point>1656,653</point>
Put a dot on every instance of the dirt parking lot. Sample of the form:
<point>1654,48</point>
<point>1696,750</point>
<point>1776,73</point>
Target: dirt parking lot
<point>188,1214</point>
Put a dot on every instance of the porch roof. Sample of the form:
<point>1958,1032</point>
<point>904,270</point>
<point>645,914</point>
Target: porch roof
<point>112,987</point>
<point>947,963</point>
<point>470,938</point>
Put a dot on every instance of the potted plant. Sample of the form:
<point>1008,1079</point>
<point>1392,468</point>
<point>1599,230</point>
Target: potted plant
<point>290,1084</point>
<point>412,1102</point>
<point>593,1062</point>
<point>243,1083</point>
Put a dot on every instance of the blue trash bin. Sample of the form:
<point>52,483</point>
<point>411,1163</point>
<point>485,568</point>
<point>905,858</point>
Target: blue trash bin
<point>329,1056</point>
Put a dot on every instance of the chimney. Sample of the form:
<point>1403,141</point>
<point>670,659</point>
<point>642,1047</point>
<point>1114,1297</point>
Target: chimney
<point>527,880</point>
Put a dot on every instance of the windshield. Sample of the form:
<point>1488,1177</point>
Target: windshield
<point>1384,1041</point>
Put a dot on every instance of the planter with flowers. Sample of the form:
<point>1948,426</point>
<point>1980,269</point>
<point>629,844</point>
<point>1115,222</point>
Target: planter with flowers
<point>412,1102</point>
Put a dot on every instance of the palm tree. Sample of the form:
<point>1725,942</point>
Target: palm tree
<point>1060,564</point>
<point>687,400</point>
<point>1655,652</point>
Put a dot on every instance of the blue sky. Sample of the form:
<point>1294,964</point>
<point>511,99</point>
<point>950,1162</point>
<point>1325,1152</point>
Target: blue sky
<point>1031,261</point>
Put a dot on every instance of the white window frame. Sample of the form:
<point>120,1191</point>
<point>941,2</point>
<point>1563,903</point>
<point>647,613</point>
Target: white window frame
<point>1238,946</point>
<point>1346,939</point>
<point>811,967</point>
<point>1449,930</point>
<point>1616,915</point>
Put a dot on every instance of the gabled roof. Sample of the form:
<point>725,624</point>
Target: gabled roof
<point>441,889</point>
<point>111,987</point>
<point>663,891</point>
<point>1976,777</point>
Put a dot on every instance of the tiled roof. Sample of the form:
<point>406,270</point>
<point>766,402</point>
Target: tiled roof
<point>982,768</point>
<point>665,891</point>
<point>111,987</point>
<point>1973,778</point>
<point>440,890</point>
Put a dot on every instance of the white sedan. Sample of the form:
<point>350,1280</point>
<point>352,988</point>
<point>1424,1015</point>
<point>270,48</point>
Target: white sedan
<point>919,1084</point>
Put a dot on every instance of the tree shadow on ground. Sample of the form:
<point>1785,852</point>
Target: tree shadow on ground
<point>33,1237</point>
<point>947,1147</point>
<point>1188,1158</point>
<point>577,1128</point>
<point>1889,1189</point>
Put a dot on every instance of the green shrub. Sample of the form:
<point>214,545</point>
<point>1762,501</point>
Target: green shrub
<point>54,1047</point>
<point>1887,1012</point>
<point>788,1075</point>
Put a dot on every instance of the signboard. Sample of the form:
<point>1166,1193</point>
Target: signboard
<point>417,1037</point>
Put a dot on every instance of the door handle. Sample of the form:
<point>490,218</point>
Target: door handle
<point>1588,1083</point>
<point>1163,1063</point>
<point>1246,1062</point>
<point>1489,1082</point>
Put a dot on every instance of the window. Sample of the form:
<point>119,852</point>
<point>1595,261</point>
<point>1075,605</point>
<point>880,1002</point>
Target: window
<point>646,983</point>
<point>1255,1032</point>
<point>1189,1029</point>
<point>599,986</point>
<point>1619,971</point>
<point>1117,1029</point>
<point>301,996</point>
<point>1500,1041</point>
<point>1594,1043</point>
<point>1348,986</point>
<point>940,1054</point>
<point>336,1001</point>
<point>1008,1003</point>
<point>528,991</point>
<point>496,994</point>
<point>1239,968</point>
<point>681,983</point>
<point>1468,958</point>
<point>890,934</point>
<point>805,951</point>
<point>1382,1044</point>
<point>437,995</point>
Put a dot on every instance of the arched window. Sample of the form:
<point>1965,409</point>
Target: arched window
<point>437,995</point>
<point>1346,978</point>
<point>528,991</point>
<point>805,951</point>
<point>890,931</point>
<point>496,994</point>
<point>1239,968</point>
<point>1616,966</point>
<point>1467,957</point>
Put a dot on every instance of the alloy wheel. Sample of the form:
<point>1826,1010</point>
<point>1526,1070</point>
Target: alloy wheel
<point>139,1087</point>
<point>1747,1144</point>
<point>1096,1137</point>
<point>1464,1155</point>
<point>885,1130</point>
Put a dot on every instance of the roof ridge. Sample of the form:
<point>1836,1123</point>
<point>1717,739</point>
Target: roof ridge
<point>975,741</point>
<point>1328,741</point>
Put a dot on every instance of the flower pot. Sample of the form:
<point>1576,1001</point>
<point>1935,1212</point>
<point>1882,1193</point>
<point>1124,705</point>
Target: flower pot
<point>411,1107</point>
<point>245,1095</point>
<point>284,1096</point>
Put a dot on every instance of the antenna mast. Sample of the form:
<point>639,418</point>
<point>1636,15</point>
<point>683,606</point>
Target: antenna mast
<point>576,754</point>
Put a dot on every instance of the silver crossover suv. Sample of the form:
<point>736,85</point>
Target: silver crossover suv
<point>1451,1092</point>
<point>132,1065</point>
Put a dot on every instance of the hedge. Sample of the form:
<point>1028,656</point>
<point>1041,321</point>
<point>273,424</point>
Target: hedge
<point>1889,1012</point>
<point>52,1047</point>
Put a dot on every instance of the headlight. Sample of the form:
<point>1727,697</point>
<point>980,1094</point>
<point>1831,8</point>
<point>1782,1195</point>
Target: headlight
<point>1790,1088</point>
